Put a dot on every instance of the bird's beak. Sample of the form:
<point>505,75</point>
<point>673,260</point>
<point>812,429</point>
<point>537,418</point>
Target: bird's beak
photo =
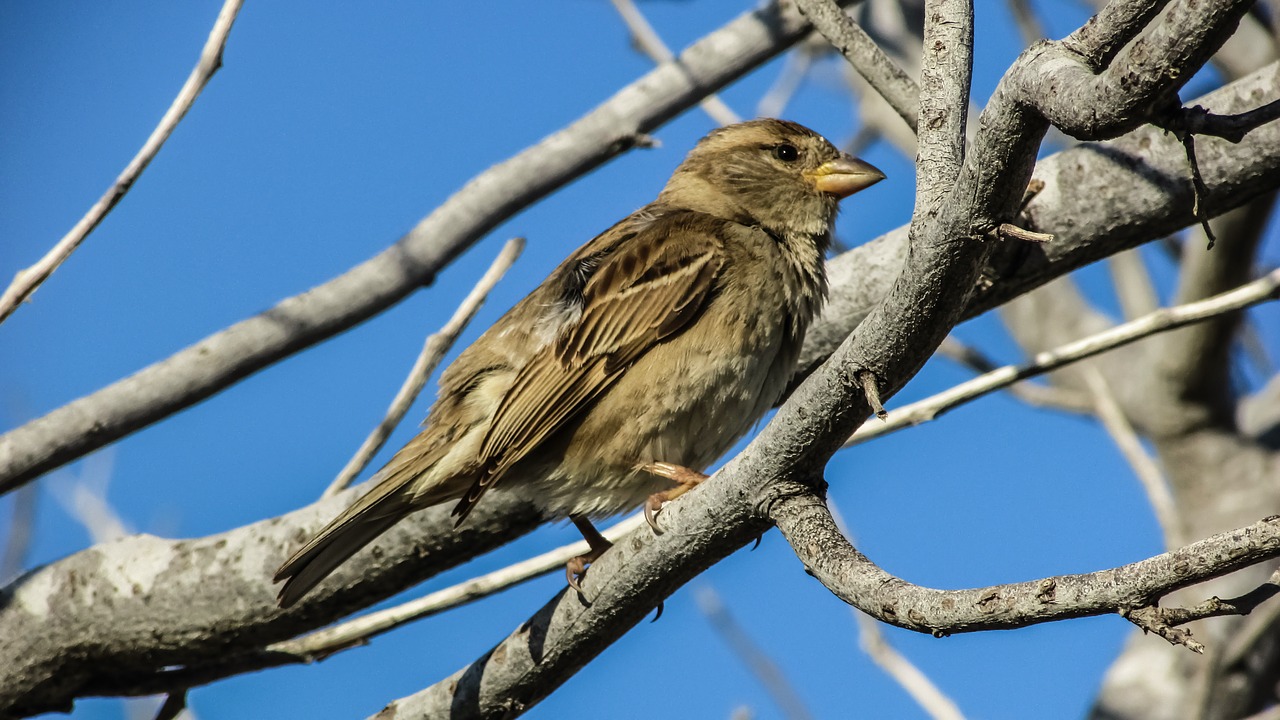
<point>844,176</point>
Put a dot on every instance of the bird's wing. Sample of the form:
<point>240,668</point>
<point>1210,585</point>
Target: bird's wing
<point>639,292</point>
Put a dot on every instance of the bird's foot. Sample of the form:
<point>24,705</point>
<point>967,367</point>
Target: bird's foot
<point>685,480</point>
<point>576,568</point>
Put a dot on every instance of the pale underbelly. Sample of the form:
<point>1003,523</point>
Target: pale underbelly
<point>683,403</point>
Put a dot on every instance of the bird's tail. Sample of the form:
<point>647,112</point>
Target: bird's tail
<point>370,516</point>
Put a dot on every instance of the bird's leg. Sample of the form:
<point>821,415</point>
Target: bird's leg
<point>577,567</point>
<point>685,480</point>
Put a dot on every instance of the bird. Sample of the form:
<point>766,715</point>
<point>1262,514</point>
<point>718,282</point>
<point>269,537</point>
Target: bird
<point>642,358</point>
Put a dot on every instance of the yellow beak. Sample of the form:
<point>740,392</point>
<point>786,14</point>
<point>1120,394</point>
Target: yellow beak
<point>845,176</point>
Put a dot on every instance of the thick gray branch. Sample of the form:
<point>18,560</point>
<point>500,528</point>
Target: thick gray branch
<point>806,522</point>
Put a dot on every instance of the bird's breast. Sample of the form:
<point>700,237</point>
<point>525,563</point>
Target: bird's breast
<point>686,401</point>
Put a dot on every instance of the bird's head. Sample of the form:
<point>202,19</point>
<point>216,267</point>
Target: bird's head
<point>776,174</point>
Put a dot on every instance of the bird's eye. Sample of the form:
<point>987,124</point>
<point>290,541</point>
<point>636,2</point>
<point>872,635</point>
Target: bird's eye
<point>786,152</point>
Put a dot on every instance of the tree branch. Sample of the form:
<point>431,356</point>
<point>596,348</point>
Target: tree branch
<point>433,351</point>
<point>805,521</point>
<point>879,70</point>
<point>1196,120</point>
<point>1262,290</point>
<point>210,61</point>
<point>648,41</point>
<point>1144,466</point>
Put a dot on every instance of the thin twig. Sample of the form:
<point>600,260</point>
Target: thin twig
<point>26,281</point>
<point>871,390</point>
<point>1148,618</point>
<point>20,533</point>
<point>794,69</point>
<point>1261,290</point>
<point>1024,16</point>
<point>751,654</point>
<point>1132,281</point>
<point>879,70</point>
<point>648,41</point>
<point>1198,188</point>
<point>1144,466</point>
<point>1009,231</point>
<point>1257,628</point>
<point>1165,621</point>
<point>433,351</point>
<point>896,665</point>
<point>1197,120</point>
<point>323,643</point>
<point>1040,396</point>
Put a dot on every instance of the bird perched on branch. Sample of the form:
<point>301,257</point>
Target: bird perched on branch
<point>640,360</point>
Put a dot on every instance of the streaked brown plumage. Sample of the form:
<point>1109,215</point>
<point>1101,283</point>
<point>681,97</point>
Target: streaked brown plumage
<point>663,340</point>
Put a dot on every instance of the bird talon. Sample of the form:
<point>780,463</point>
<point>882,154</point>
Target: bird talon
<point>652,507</point>
<point>576,568</point>
<point>574,571</point>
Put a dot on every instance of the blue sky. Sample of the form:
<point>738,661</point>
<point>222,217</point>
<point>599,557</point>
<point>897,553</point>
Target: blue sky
<point>330,131</point>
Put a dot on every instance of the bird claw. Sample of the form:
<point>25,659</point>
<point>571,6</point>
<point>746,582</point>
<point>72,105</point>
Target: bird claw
<point>658,613</point>
<point>575,570</point>
<point>685,480</point>
<point>652,507</point>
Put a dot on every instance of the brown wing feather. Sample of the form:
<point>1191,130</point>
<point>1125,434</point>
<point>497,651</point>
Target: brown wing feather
<point>640,294</point>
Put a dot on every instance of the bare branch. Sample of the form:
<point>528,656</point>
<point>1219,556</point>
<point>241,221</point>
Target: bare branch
<point>433,351</point>
<point>1165,621</point>
<point>805,521</point>
<point>1035,395</point>
<point>945,76</point>
<point>1198,189</point>
<point>1138,76</point>
<point>1144,466</point>
<point>1116,24</point>
<point>1133,284</point>
<point>894,85</point>
<point>1258,291</point>
<point>1009,231</point>
<point>647,39</point>
<point>918,685</point>
<point>323,643</point>
<point>1197,120</point>
<point>1149,618</point>
<point>18,541</point>
<point>755,658</point>
<point>210,61</point>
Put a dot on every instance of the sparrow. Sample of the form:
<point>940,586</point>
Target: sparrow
<point>639,361</point>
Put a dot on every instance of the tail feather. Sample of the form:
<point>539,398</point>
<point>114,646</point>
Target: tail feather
<point>325,552</point>
<point>373,514</point>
